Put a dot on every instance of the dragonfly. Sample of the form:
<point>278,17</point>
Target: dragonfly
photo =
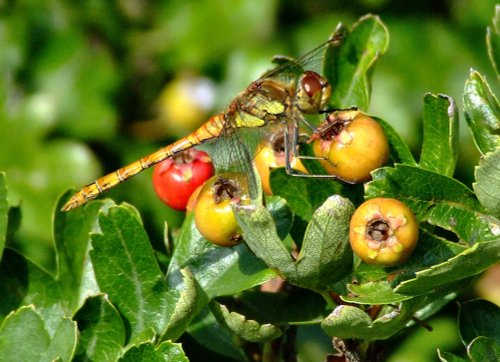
<point>281,97</point>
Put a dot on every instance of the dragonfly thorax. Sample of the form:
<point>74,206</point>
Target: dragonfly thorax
<point>313,92</point>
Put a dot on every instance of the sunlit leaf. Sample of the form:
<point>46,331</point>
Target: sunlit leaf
<point>27,326</point>
<point>487,185</point>
<point>350,67</point>
<point>482,112</point>
<point>126,269</point>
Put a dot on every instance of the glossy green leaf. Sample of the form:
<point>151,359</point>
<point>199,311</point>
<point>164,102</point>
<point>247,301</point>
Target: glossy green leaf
<point>4,213</point>
<point>482,112</point>
<point>182,300</point>
<point>22,282</point>
<point>141,353</point>
<point>487,185</point>
<point>479,318</point>
<point>147,352</point>
<point>209,333</point>
<point>350,66</point>
<point>351,322</point>
<point>239,325</point>
<point>102,332</point>
<point>172,352</point>
<point>218,270</point>
<point>440,147</point>
<point>493,41</point>
<point>27,327</point>
<point>437,199</point>
<point>72,240</point>
<point>126,269</point>
<point>399,150</point>
<point>326,256</point>
<point>483,349</point>
<point>470,262</point>
<point>261,237</point>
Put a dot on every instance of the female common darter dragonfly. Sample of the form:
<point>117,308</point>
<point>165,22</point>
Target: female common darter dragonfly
<point>280,97</point>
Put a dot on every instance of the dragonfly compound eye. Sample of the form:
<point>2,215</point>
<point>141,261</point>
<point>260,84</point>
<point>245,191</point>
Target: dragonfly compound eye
<point>314,92</point>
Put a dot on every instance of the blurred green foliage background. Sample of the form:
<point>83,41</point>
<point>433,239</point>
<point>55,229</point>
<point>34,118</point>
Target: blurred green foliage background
<point>88,86</point>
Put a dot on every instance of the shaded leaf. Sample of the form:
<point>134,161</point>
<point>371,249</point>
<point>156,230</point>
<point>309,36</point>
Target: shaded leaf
<point>449,357</point>
<point>102,332</point>
<point>247,329</point>
<point>483,349</point>
<point>22,282</point>
<point>349,67</point>
<point>209,333</point>
<point>126,269</point>
<point>440,146</point>
<point>482,113</point>
<point>479,318</point>
<point>487,185</point>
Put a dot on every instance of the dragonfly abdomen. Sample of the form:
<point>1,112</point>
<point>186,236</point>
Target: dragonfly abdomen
<point>208,131</point>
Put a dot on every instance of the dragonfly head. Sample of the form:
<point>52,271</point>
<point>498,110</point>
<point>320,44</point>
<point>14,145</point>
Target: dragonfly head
<point>313,92</point>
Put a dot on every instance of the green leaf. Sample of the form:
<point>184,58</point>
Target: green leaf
<point>209,333</point>
<point>143,352</point>
<point>181,304</point>
<point>439,149</point>
<point>483,349</point>
<point>479,318</point>
<point>249,330</point>
<point>281,213</point>
<point>351,322</point>
<point>261,237</point>
<point>399,150</point>
<point>4,213</point>
<point>349,67</point>
<point>449,357</point>
<point>493,41</point>
<point>172,352</point>
<point>297,306</point>
<point>26,326</point>
<point>126,269</point>
<point>326,256</point>
<point>487,185</point>
<point>376,292</point>
<point>72,240</point>
<point>470,262</point>
<point>218,270</point>
<point>437,199</point>
<point>22,282</point>
<point>482,113</point>
<point>102,332</point>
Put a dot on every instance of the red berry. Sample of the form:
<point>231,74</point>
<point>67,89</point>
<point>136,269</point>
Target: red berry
<point>176,178</point>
